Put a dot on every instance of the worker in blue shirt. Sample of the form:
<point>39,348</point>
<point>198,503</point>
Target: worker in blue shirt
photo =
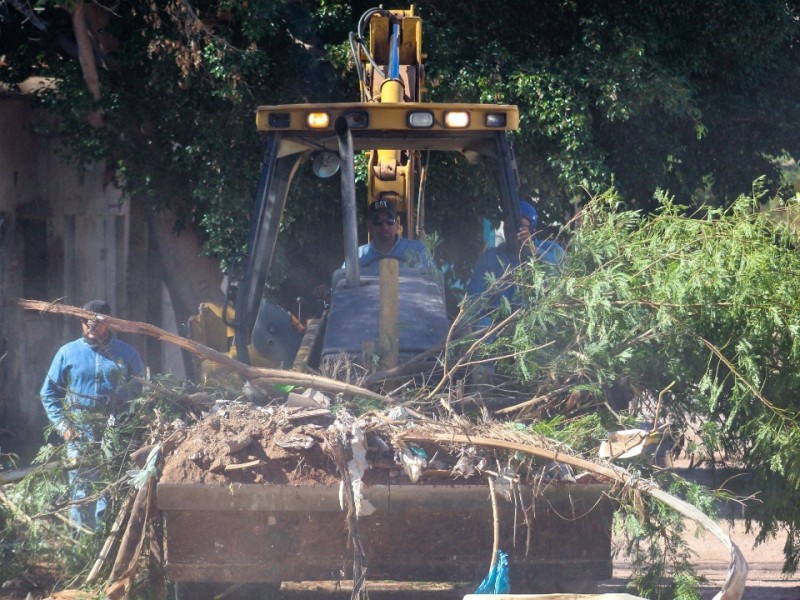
<point>385,240</point>
<point>495,263</point>
<point>88,380</point>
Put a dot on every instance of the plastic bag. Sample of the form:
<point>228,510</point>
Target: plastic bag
<point>497,581</point>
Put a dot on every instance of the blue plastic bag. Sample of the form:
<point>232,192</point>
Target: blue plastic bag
<point>496,581</point>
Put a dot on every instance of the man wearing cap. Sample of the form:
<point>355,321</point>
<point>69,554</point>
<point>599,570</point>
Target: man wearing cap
<point>88,379</point>
<point>494,263</point>
<point>385,241</point>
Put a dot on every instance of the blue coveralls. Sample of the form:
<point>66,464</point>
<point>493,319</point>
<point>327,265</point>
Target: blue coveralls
<point>494,263</point>
<point>96,379</point>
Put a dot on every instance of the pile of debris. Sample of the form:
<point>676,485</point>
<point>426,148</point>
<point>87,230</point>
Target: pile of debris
<point>239,442</point>
<point>276,444</point>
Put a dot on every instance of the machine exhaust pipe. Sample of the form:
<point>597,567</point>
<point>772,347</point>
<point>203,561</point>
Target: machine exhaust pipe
<point>348,179</point>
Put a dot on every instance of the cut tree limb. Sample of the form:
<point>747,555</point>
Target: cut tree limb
<point>130,547</point>
<point>248,372</point>
<point>112,537</point>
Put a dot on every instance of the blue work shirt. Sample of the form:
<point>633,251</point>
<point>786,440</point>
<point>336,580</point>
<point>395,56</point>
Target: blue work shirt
<point>411,253</point>
<point>87,376</point>
<point>495,262</point>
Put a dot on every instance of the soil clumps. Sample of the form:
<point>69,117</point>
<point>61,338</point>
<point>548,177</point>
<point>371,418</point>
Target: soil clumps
<point>245,443</point>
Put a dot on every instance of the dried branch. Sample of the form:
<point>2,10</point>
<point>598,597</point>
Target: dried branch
<point>105,551</point>
<point>278,376</point>
<point>130,549</point>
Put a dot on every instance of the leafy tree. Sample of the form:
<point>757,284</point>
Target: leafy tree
<point>641,95</point>
<point>695,317</point>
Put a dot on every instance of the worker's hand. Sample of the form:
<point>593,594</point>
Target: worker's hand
<point>69,434</point>
<point>524,234</point>
<point>322,292</point>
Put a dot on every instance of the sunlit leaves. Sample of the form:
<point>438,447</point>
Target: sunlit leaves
<point>705,304</point>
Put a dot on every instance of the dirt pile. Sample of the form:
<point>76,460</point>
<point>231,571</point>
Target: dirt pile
<point>244,443</point>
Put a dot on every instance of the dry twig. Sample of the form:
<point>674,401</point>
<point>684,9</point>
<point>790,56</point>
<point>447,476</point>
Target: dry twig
<point>279,376</point>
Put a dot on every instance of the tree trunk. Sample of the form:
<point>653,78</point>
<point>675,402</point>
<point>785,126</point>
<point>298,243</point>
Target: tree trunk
<point>190,277</point>
<point>86,59</point>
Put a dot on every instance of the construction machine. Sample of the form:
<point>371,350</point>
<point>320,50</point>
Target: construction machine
<point>392,310</point>
<point>396,127</point>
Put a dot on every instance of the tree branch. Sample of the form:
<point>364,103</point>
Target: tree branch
<point>278,376</point>
<point>86,59</point>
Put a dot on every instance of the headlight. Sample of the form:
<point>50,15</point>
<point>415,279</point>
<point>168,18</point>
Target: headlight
<point>456,119</point>
<point>318,120</point>
<point>279,120</point>
<point>496,120</point>
<point>420,119</point>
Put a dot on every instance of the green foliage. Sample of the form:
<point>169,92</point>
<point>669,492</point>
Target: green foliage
<point>580,434</point>
<point>638,96</point>
<point>656,544</point>
<point>643,94</point>
<point>45,493</point>
<point>705,305</point>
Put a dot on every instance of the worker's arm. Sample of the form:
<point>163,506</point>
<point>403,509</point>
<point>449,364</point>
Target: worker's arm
<point>487,265</point>
<point>127,355</point>
<point>53,393</point>
<point>136,368</point>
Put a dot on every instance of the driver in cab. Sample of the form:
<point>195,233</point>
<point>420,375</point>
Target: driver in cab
<point>385,241</point>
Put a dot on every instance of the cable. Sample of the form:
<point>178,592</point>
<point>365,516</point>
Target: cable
<point>359,40</point>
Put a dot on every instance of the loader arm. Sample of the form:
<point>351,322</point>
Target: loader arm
<point>273,186</point>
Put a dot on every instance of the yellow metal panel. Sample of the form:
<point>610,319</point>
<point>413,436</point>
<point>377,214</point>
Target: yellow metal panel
<point>411,46</point>
<point>411,38</point>
<point>388,116</point>
<point>379,39</point>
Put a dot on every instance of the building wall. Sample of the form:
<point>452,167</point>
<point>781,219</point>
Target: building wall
<point>65,235</point>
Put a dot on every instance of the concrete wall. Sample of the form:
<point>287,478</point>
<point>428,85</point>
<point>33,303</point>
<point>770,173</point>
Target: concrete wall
<point>66,235</point>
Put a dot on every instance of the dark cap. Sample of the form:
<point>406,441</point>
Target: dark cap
<point>98,306</point>
<point>527,210</point>
<point>382,204</point>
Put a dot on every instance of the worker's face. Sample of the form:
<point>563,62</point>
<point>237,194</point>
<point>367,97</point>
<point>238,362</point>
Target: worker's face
<point>524,233</point>
<point>382,227</point>
<point>95,329</point>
